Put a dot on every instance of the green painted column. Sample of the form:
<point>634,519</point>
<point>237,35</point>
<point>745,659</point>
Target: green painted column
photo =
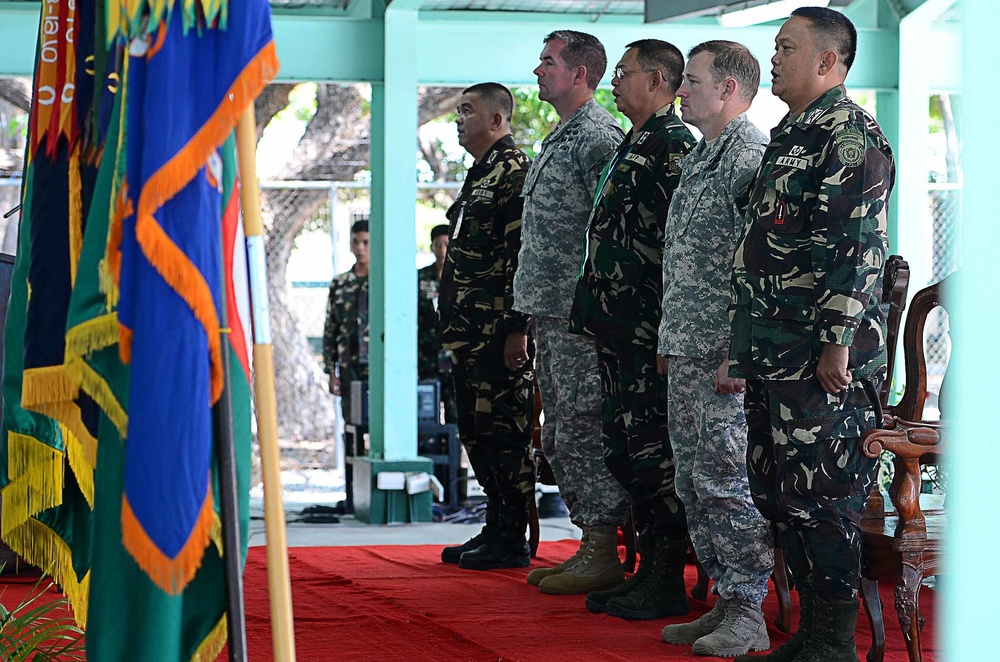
<point>393,303</point>
<point>887,114</point>
<point>971,622</point>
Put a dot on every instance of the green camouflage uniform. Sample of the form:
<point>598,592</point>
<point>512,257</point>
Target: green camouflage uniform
<point>495,405</point>
<point>558,195</point>
<point>345,334</point>
<point>708,430</point>
<point>431,359</point>
<point>808,271</point>
<point>617,301</point>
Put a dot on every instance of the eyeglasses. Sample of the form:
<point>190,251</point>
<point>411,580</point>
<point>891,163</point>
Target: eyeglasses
<point>620,72</point>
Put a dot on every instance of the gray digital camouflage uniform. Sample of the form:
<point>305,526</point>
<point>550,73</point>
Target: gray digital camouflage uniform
<point>617,301</point>
<point>558,194</point>
<point>495,405</point>
<point>345,333</point>
<point>807,271</point>
<point>708,430</point>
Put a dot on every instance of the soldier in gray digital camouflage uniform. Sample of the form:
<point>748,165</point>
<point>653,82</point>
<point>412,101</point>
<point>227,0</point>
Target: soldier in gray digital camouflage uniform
<point>708,429</point>
<point>490,340</point>
<point>345,332</point>
<point>558,194</point>
<point>617,301</point>
<point>808,333</point>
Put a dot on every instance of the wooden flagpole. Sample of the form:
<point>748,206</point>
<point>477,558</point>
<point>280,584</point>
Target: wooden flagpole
<point>278,580</point>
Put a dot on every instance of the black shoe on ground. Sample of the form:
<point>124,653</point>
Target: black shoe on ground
<point>454,553</point>
<point>502,551</point>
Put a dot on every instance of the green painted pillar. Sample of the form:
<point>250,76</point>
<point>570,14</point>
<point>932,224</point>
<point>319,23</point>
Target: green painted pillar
<point>971,623</point>
<point>887,114</point>
<point>393,351</point>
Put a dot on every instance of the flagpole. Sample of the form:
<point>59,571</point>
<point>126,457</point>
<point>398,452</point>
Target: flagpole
<point>278,580</point>
<point>229,501</point>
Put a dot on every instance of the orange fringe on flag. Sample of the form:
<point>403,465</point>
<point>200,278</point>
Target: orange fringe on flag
<point>169,260</point>
<point>170,574</point>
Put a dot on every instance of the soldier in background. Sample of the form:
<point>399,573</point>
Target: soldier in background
<point>808,333</point>
<point>345,333</point>
<point>433,362</point>
<point>617,301</point>
<point>708,428</point>
<point>558,195</point>
<point>492,348</point>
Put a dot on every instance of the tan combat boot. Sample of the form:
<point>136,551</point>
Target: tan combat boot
<point>597,569</point>
<point>536,576</point>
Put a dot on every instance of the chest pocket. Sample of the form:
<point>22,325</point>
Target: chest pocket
<point>788,198</point>
<point>473,219</point>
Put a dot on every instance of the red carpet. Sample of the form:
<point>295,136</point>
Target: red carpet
<point>401,603</point>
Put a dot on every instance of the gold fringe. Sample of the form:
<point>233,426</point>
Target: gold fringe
<point>36,473</point>
<point>211,645</point>
<point>99,391</point>
<point>41,546</point>
<point>75,213</point>
<point>216,534</point>
<point>170,574</point>
<point>44,385</point>
<point>93,335</point>
<point>81,451</point>
<point>165,256</point>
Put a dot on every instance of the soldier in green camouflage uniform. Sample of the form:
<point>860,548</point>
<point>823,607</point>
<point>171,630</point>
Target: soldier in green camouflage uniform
<point>345,333</point>
<point>808,333</point>
<point>617,301</point>
<point>558,196</point>
<point>493,352</point>
<point>708,430</point>
<point>433,362</point>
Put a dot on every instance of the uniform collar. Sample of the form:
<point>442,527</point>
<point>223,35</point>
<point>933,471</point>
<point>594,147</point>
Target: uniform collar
<point>490,157</point>
<point>663,116</point>
<point>581,112</point>
<point>707,150</point>
<point>816,109</point>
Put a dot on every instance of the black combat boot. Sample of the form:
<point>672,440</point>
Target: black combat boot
<point>454,553</point>
<point>832,636</point>
<point>787,651</point>
<point>506,549</point>
<point>597,601</point>
<point>662,592</point>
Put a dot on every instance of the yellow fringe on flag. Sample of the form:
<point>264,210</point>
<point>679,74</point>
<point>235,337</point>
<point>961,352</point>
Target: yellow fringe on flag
<point>211,645</point>
<point>36,473</point>
<point>97,388</point>
<point>51,391</point>
<point>41,546</point>
<point>137,18</point>
<point>95,334</point>
<point>170,574</point>
<point>75,213</point>
<point>165,256</point>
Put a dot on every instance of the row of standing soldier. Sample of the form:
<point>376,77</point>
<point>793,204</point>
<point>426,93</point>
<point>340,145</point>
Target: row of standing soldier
<point>732,283</point>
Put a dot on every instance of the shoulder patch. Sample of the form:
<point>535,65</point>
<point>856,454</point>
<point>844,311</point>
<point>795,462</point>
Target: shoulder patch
<point>674,166</point>
<point>850,147</point>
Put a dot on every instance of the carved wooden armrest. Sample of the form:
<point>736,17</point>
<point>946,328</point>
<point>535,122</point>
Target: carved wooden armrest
<point>908,441</point>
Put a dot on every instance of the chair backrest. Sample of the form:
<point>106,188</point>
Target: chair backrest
<point>911,406</point>
<point>894,288</point>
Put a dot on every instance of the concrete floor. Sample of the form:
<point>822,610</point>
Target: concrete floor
<point>350,532</point>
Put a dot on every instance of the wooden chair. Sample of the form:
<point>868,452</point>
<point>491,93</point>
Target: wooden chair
<point>905,542</point>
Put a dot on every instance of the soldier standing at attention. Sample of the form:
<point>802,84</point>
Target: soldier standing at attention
<point>808,333</point>
<point>345,334</point>
<point>708,427</point>
<point>432,361</point>
<point>618,302</point>
<point>558,195</point>
<point>492,348</point>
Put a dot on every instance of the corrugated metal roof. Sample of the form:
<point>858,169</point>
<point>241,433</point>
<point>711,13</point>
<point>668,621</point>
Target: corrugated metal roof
<point>598,7</point>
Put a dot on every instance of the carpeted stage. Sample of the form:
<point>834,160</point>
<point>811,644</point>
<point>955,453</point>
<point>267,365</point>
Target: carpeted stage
<point>401,603</point>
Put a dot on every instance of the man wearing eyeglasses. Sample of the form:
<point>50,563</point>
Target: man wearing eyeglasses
<point>617,302</point>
